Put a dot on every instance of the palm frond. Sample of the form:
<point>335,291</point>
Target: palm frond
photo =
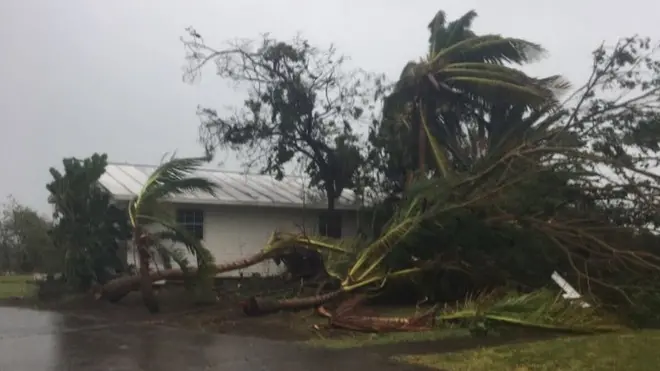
<point>500,91</point>
<point>169,251</point>
<point>437,30</point>
<point>186,185</point>
<point>511,72</point>
<point>176,233</point>
<point>503,81</point>
<point>374,254</point>
<point>441,161</point>
<point>173,177</point>
<point>556,83</point>
<point>517,125</point>
<point>493,49</point>
<point>458,30</point>
<point>542,309</point>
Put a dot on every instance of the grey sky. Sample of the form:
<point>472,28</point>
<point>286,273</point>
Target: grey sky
<point>83,76</point>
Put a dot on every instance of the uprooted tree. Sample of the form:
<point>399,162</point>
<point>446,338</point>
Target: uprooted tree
<point>302,107</point>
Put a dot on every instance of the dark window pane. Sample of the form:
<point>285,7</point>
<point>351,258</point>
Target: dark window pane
<point>330,224</point>
<point>192,220</point>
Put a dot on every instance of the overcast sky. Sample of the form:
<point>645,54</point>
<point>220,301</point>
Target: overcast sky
<point>78,77</point>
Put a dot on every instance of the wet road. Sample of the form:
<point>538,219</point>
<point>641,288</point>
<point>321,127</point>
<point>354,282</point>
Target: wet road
<point>32,340</point>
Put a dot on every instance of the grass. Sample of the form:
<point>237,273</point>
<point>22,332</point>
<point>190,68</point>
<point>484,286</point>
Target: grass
<point>19,286</point>
<point>634,351</point>
<point>356,340</point>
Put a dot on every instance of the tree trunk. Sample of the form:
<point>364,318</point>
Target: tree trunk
<point>260,306</point>
<point>331,218</point>
<point>148,296</point>
<point>116,289</point>
<point>420,144</point>
<point>421,166</point>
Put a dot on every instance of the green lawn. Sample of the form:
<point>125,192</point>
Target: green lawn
<point>355,340</point>
<point>16,286</point>
<point>636,351</point>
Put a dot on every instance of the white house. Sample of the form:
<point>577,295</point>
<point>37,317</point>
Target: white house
<point>247,208</point>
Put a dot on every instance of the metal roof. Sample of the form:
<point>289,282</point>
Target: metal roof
<point>124,181</point>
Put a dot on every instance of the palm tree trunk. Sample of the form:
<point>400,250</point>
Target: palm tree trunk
<point>260,306</point>
<point>116,289</point>
<point>421,165</point>
<point>146,288</point>
<point>421,146</point>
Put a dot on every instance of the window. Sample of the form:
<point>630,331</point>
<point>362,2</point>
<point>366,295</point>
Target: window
<point>330,224</point>
<point>192,220</point>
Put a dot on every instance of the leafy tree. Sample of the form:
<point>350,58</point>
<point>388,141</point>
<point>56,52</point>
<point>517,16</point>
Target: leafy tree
<point>152,223</point>
<point>302,107</point>
<point>25,244</point>
<point>87,227</point>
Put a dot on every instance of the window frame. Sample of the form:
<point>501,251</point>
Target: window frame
<point>192,220</point>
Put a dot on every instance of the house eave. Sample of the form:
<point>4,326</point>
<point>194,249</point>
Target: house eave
<point>277,205</point>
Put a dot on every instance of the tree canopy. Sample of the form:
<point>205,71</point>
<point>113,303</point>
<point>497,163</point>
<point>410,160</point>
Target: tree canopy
<point>25,243</point>
<point>302,107</point>
<point>87,226</point>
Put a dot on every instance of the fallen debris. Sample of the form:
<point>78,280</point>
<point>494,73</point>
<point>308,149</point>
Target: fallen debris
<point>347,316</point>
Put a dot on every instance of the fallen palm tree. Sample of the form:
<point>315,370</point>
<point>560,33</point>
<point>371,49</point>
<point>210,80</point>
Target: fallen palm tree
<point>278,244</point>
<point>357,269</point>
<point>542,310</point>
<point>116,289</point>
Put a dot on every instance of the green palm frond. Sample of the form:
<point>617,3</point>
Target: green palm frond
<point>498,90</point>
<point>150,206</point>
<point>542,309</point>
<point>492,71</point>
<point>555,83</point>
<point>170,252</point>
<point>441,161</point>
<point>376,252</point>
<point>437,31</point>
<point>172,177</point>
<point>517,126</point>
<point>175,233</point>
<point>493,49</point>
<point>338,264</point>
<point>456,31</point>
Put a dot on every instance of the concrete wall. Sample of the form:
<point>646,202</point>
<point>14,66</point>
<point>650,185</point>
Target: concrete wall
<point>232,232</point>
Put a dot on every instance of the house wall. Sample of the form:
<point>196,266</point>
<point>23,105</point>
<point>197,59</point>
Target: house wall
<point>232,232</point>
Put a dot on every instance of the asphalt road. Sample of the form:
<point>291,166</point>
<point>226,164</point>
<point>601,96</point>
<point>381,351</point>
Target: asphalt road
<point>34,340</point>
